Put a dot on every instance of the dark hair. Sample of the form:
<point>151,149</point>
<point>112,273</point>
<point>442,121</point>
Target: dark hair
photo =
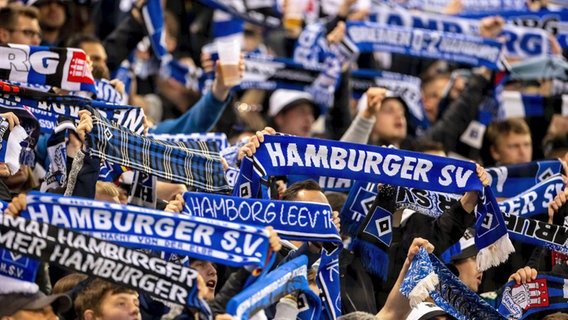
<point>77,39</point>
<point>421,145</point>
<point>10,14</point>
<point>292,192</point>
<point>336,199</point>
<point>92,295</point>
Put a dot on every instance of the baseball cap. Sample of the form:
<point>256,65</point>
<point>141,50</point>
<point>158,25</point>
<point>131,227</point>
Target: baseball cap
<point>468,247</point>
<point>424,311</point>
<point>13,302</point>
<point>362,103</point>
<point>283,99</point>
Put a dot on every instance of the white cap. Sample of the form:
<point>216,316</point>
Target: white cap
<point>424,311</point>
<point>283,98</point>
<point>362,103</point>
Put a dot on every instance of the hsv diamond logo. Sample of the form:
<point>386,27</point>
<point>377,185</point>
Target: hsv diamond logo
<point>14,258</point>
<point>379,226</point>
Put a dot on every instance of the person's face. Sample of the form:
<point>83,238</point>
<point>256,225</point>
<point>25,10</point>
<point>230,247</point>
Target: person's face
<point>120,306</point>
<point>208,272</point>
<point>18,179</point>
<point>52,15</point>
<point>46,313</point>
<point>512,149</point>
<point>98,56</point>
<point>469,274</point>
<point>25,31</point>
<point>391,122</point>
<point>431,95</point>
<point>297,120</point>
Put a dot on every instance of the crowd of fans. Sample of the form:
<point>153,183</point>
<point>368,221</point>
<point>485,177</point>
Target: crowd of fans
<point>454,98</point>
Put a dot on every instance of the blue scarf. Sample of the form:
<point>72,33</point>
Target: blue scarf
<point>370,37</point>
<point>217,137</point>
<point>199,166</point>
<point>292,220</point>
<point>516,104</point>
<point>538,233</point>
<point>551,21</point>
<point>81,253</point>
<point>31,126</point>
<point>428,276</point>
<point>56,176</point>
<point>327,280</point>
<point>283,155</point>
<point>107,93</point>
<point>356,207</point>
<point>65,68</point>
<point>520,41</point>
<point>468,5</point>
<point>521,300</point>
<point>246,10</point>
<point>535,200</point>
<point>206,239</point>
<point>285,279</point>
<point>143,192</point>
<point>509,181</point>
<point>47,107</point>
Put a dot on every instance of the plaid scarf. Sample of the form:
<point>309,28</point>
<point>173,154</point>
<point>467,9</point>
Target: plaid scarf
<point>199,167</point>
<point>206,239</point>
<point>65,68</point>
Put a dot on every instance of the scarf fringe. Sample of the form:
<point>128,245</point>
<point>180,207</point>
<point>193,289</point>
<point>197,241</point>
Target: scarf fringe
<point>422,290</point>
<point>495,254</point>
<point>375,260</point>
<point>11,285</point>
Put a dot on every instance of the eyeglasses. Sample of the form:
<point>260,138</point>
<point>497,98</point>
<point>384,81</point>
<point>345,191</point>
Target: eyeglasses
<point>27,32</point>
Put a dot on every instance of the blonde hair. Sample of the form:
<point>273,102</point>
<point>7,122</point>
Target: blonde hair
<point>107,188</point>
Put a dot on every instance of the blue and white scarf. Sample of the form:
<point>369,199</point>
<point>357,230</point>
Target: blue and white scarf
<point>248,10</point>
<point>217,137</point>
<point>292,220</point>
<point>206,239</point>
<point>489,6</point>
<point>535,200</point>
<point>283,155</point>
<point>56,176</point>
<point>81,253</point>
<point>544,293</point>
<point>10,148</point>
<point>509,181</point>
<point>287,278</point>
<point>428,276</point>
<point>520,42</point>
<point>21,147</point>
<point>327,280</point>
<point>356,207</point>
<point>143,192</point>
<point>47,107</point>
<point>107,93</point>
<point>370,37</point>
<point>65,68</point>
<point>550,21</point>
<point>199,166</point>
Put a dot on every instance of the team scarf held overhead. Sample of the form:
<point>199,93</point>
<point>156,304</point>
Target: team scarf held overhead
<point>56,176</point>
<point>476,51</point>
<point>10,148</point>
<point>205,239</point>
<point>427,276</point>
<point>550,21</point>
<point>521,42</point>
<point>199,166</point>
<point>544,293</point>
<point>217,137</point>
<point>292,220</point>
<point>283,155</point>
<point>257,12</point>
<point>489,6</point>
<point>509,181</point>
<point>47,107</point>
<point>65,68</point>
<point>79,252</point>
<point>287,278</point>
